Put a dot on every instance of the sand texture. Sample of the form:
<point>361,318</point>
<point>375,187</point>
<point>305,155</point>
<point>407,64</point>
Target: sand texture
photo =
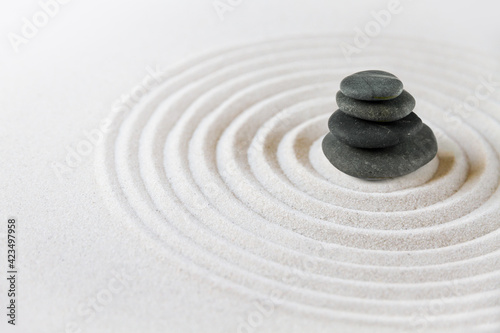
<point>221,166</point>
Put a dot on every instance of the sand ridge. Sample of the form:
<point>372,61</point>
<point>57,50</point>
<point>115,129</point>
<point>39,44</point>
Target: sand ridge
<point>221,165</point>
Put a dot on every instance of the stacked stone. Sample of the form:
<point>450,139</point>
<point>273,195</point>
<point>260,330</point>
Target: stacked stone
<point>375,134</point>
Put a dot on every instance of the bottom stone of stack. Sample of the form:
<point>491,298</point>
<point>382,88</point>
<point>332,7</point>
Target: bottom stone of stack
<point>381,163</point>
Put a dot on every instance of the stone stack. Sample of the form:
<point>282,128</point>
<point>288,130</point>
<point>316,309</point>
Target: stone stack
<point>375,134</point>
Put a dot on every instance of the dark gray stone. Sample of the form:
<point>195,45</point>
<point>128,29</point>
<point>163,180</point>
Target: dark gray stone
<point>381,163</point>
<point>371,85</point>
<point>391,110</point>
<point>362,133</point>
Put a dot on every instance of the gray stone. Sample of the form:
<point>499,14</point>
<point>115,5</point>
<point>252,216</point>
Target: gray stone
<point>371,85</point>
<point>391,110</point>
<point>381,163</point>
<point>362,133</point>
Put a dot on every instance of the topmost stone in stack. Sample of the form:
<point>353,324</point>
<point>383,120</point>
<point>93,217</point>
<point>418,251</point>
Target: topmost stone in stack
<point>375,134</point>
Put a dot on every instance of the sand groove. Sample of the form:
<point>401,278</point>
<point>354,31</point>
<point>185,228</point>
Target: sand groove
<point>222,166</point>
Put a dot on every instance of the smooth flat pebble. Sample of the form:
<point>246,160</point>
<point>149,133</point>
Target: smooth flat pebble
<point>382,111</point>
<point>362,133</point>
<point>382,163</point>
<point>371,85</point>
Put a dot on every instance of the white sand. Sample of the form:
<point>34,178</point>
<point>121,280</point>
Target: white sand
<point>221,165</point>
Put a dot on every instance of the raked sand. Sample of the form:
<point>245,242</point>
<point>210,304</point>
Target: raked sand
<point>221,166</point>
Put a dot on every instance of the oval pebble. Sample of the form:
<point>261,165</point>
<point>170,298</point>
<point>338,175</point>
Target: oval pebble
<point>362,133</point>
<point>371,85</point>
<point>382,163</point>
<point>381,111</point>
